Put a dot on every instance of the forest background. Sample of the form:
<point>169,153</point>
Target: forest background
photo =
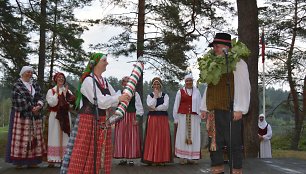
<point>170,35</point>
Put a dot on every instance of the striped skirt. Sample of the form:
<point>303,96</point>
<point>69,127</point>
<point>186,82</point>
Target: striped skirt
<point>127,138</point>
<point>82,156</point>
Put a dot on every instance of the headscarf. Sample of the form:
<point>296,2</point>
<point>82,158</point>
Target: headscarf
<point>24,69</point>
<point>188,76</point>
<point>56,75</point>
<point>156,79</point>
<point>125,78</point>
<point>94,58</point>
<point>262,124</point>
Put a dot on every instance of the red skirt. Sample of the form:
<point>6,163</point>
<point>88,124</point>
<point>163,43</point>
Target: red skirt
<point>82,157</point>
<point>127,138</point>
<point>157,145</point>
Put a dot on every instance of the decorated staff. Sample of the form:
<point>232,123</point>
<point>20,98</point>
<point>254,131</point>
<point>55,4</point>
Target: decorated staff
<point>130,90</point>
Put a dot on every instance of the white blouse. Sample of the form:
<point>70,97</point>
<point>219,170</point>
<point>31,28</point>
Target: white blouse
<point>104,101</point>
<point>138,103</point>
<point>52,98</point>
<point>151,102</point>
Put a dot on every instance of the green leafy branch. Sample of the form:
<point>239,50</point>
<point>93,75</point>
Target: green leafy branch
<point>212,66</point>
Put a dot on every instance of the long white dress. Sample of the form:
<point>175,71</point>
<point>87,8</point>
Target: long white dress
<point>183,150</point>
<point>265,144</point>
<point>57,139</point>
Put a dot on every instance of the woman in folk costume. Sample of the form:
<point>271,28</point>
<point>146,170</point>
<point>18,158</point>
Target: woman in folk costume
<point>59,99</point>
<point>186,114</point>
<point>264,135</point>
<point>25,142</point>
<point>79,155</point>
<point>157,143</point>
<point>127,136</point>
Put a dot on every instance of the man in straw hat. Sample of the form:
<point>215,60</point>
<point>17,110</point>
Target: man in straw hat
<point>216,107</point>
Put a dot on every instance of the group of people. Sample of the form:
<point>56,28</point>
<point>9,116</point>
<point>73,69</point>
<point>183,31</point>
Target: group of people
<point>86,147</point>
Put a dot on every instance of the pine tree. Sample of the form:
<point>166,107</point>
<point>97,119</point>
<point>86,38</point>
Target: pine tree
<point>248,34</point>
<point>13,42</point>
<point>172,28</point>
<point>59,45</point>
<point>285,22</point>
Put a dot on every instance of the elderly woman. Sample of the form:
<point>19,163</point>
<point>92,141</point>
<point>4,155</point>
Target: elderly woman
<point>25,142</point>
<point>59,99</point>
<point>157,144</point>
<point>79,156</point>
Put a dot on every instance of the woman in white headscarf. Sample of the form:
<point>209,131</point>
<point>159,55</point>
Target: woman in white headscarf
<point>25,142</point>
<point>187,119</point>
<point>264,135</point>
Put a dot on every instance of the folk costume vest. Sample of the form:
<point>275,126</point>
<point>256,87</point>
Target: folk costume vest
<point>131,107</point>
<point>159,101</point>
<point>88,107</point>
<point>185,106</point>
<point>263,131</point>
<point>62,110</point>
<point>217,95</point>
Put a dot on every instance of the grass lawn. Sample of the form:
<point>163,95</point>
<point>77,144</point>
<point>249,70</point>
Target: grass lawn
<point>289,154</point>
<point>3,138</point>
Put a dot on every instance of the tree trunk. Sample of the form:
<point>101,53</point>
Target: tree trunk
<point>140,48</point>
<point>298,117</point>
<point>140,40</point>
<point>53,47</point>
<point>248,34</point>
<point>42,44</point>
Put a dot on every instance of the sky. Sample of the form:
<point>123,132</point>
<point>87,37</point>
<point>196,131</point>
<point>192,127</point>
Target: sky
<point>120,67</point>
